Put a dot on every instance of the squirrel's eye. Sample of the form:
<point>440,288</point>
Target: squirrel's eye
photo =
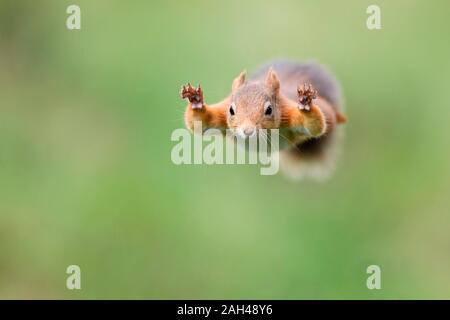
<point>232,109</point>
<point>267,109</point>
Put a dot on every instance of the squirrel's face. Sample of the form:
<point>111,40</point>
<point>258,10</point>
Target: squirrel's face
<point>254,106</point>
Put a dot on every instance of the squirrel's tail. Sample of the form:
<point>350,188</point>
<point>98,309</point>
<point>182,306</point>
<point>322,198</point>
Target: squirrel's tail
<point>315,160</point>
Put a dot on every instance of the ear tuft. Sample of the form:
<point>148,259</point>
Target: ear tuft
<point>272,81</point>
<point>238,81</point>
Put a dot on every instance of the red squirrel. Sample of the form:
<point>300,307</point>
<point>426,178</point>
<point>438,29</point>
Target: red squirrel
<point>303,100</point>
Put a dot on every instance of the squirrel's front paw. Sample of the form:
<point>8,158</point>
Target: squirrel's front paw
<point>306,93</point>
<point>194,95</point>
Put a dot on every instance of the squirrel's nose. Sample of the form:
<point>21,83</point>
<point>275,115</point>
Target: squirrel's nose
<point>249,131</point>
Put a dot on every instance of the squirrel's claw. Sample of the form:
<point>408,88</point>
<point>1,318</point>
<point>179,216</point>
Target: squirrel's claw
<point>194,95</point>
<point>306,94</point>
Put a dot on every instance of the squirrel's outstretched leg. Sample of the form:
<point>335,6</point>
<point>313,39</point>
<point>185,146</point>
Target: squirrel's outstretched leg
<point>306,114</point>
<point>211,116</point>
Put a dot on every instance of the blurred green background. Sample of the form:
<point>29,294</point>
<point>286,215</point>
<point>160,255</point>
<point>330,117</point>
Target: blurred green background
<point>86,176</point>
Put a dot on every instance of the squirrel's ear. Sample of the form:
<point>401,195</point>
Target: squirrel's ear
<point>238,81</point>
<point>272,81</point>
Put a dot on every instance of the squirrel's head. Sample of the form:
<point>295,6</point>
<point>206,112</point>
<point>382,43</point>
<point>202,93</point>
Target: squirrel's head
<point>254,105</point>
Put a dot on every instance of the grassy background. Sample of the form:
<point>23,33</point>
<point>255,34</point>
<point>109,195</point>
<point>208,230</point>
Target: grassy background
<point>86,176</point>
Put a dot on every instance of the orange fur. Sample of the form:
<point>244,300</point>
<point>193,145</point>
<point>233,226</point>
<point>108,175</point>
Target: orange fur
<point>313,120</point>
<point>211,116</point>
<point>341,118</point>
